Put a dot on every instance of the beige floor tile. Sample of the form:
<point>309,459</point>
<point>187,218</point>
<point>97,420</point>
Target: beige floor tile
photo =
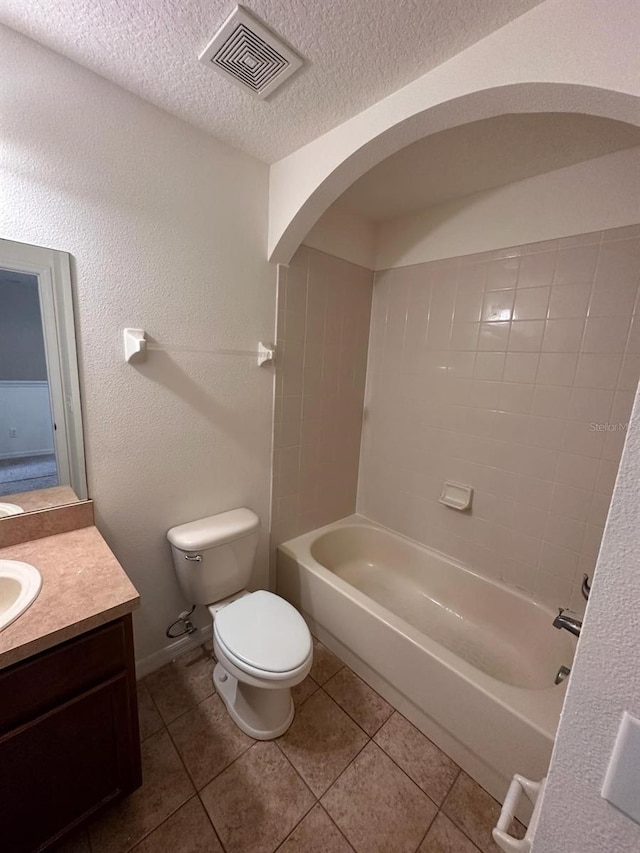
<point>325,663</point>
<point>321,741</point>
<point>377,806</point>
<point>317,833</point>
<point>148,716</point>
<point>445,837</point>
<point>421,759</point>
<point>208,740</point>
<point>302,691</point>
<point>188,830</point>
<point>166,786</point>
<point>257,801</point>
<point>362,703</point>
<point>181,685</point>
<point>475,812</point>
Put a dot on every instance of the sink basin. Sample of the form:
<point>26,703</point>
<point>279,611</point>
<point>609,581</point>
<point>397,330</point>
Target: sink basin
<point>10,509</point>
<point>19,587</point>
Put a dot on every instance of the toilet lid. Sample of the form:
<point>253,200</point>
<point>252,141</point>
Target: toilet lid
<point>264,631</point>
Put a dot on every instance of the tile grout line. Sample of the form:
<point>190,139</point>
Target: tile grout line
<point>351,715</point>
<point>165,725</point>
<point>371,739</point>
<point>316,799</point>
<point>390,757</point>
<point>453,821</point>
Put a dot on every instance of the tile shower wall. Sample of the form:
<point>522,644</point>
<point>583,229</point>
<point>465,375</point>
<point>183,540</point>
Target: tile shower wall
<point>513,372</point>
<point>324,310</point>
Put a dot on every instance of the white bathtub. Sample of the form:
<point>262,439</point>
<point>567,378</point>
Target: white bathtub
<point>470,661</point>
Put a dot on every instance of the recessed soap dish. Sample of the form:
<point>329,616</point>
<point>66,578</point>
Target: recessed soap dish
<point>456,496</point>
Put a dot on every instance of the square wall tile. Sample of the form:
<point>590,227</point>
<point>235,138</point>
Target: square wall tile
<point>598,370</point>
<point>502,273</point>
<point>531,303</point>
<point>498,305</point>
<point>563,335</point>
<point>521,366</point>
<point>494,337</point>
<point>323,333</point>
<point>569,301</point>
<point>606,334</point>
<point>526,335</point>
<point>536,270</point>
<point>513,388</point>
<point>576,265</point>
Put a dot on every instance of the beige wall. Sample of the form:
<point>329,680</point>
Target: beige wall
<point>594,195</point>
<point>324,307</point>
<point>345,235</point>
<point>167,232</point>
<point>488,370</point>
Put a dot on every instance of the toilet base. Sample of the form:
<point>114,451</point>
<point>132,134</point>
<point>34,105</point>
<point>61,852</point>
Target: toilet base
<point>260,712</point>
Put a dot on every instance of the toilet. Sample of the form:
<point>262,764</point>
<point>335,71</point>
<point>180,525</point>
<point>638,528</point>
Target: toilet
<point>262,644</point>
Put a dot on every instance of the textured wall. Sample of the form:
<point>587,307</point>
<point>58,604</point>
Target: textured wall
<point>324,308</point>
<point>605,681</point>
<point>489,370</point>
<point>167,232</point>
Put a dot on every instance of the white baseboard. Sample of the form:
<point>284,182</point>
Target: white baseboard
<point>145,666</point>
<point>24,454</point>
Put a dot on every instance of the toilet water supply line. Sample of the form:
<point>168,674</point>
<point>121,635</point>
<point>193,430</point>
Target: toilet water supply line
<point>187,625</point>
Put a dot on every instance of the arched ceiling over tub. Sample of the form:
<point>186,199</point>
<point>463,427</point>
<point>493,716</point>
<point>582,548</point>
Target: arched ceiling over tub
<point>555,58</point>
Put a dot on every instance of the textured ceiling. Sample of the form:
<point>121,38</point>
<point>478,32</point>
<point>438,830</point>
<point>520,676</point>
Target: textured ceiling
<point>481,156</point>
<point>357,52</point>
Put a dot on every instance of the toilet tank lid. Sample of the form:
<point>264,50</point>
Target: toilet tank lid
<point>214,530</point>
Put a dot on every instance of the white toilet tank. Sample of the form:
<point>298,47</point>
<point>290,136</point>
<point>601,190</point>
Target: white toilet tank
<point>214,556</point>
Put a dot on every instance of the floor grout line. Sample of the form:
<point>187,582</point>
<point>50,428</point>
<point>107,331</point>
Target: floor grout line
<point>351,715</point>
<point>186,769</point>
<point>317,800</point>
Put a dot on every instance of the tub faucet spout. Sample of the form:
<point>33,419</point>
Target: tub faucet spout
<point>568,620</point>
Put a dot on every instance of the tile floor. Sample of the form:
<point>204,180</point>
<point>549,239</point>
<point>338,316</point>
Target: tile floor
<point>351,774</point>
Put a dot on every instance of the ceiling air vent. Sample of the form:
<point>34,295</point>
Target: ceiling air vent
<point>247,53</point>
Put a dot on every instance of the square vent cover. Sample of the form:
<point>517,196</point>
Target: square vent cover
<point>250,55</point>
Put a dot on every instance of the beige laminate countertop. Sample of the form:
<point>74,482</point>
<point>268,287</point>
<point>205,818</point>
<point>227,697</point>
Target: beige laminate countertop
<point>83,586</point>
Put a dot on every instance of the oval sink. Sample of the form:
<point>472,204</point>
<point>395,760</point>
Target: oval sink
<point>20,584</point>
<point>10,509</point>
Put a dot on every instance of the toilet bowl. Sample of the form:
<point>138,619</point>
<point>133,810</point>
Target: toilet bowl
<point>262,644</point>
<point>263,648</point>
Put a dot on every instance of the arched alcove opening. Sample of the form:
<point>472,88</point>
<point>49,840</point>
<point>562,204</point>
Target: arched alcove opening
<point>306,184</point>
<point>484,368</point>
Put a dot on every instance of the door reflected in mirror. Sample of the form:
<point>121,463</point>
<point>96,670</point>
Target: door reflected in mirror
<point>41,445</point>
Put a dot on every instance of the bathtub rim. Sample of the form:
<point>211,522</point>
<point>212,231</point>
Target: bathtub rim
<point>538,707</point>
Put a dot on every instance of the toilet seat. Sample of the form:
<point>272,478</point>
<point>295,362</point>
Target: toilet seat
<point>263,635</point>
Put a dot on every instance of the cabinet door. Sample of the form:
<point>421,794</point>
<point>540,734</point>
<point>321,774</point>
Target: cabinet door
<point>58,768</point>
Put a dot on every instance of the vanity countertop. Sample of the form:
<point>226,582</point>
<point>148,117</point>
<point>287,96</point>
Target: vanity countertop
<point>83,586</point>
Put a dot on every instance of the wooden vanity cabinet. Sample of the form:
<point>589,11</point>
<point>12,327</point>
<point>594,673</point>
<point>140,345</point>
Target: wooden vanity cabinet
<point>69,739</point>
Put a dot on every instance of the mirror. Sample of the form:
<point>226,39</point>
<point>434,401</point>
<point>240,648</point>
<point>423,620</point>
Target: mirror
<point>42,460</point>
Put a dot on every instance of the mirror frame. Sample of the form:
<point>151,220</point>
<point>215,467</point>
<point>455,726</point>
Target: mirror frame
<point>53,269</point>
